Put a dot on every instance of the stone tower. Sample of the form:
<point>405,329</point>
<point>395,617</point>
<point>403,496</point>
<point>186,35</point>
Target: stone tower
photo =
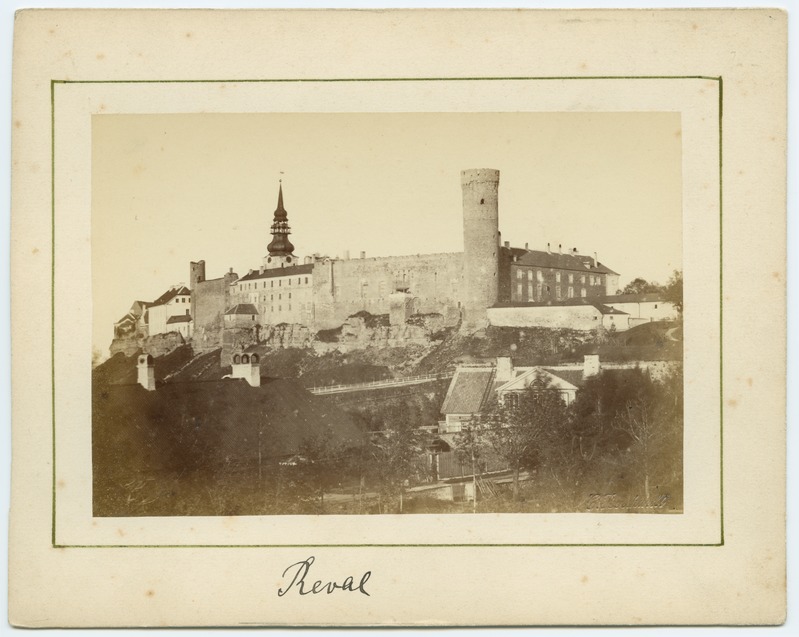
<point>196,273</point>
<point>480,245</point>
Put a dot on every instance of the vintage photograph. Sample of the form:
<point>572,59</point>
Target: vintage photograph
<point>384,313</point>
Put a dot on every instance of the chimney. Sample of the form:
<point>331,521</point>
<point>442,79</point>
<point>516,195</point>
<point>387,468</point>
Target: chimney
<point>504,369</point>
<point>507,244</point>
<point>560,248</point>
<point>248,367</point>
<point>549,251</point>
<point>230,271</point>
<point>526,245</point>
<point>260,269</point>
<point>499,238</point>
<point>363,254</point>
<point>146,372</point>
<point>347,255</point>
<point>596,261</point>
<point>591,365</point>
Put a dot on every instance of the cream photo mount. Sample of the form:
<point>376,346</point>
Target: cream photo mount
<point>698,100</point>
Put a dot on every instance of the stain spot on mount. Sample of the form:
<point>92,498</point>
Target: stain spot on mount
<point>732,402</point>
<point>150,593</point>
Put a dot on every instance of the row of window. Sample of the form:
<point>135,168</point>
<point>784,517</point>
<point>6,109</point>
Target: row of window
<point>254,285</point>
<point>536,292</point>
<point>593,279</point>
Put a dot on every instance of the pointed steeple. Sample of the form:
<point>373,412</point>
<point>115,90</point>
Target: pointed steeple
<point>280,244</point>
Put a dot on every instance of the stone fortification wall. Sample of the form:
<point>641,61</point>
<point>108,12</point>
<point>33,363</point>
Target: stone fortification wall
<point>576,317</point>
<point>209,302</point>
<point>344,287</point>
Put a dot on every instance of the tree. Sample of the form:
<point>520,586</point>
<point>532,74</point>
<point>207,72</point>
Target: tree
<point>318,466</point>
<point>673,290</point>
<point>469,444</point>
<point>640,286</point>
<point>518,427</point>
<point>396,459</point>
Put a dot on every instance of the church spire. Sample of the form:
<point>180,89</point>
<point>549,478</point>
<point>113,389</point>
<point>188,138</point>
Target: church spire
<point>280,245</point>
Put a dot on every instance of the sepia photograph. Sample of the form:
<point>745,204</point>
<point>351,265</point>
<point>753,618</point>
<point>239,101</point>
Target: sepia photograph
<point>386,313</point>
<point>398,318</point>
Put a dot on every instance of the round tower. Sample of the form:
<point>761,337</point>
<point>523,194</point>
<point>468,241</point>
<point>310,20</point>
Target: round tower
<point>480,244</point>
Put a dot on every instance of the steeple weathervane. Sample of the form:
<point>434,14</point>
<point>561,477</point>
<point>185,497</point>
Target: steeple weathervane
<point>280,246</point>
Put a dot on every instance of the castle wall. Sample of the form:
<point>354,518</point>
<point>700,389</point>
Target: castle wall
<point>343,287</point>
<point>209,301</point>
<point>576,317</point>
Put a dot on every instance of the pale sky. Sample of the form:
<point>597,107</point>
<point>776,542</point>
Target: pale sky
<point>170,189</point>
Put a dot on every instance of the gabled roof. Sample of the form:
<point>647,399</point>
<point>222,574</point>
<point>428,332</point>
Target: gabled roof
<point>275,272</point>
<point>469,390</point>
<point>558,260</point>
<point>593,302</point>
<point>180,318</point>
<point>242,308</point>
<point>129,317</point>
<point>170,294</point>
<point>522,381</point>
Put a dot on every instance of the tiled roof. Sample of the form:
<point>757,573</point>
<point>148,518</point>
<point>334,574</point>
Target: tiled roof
<point>557,260</point>
<point>170,294</point>
<point>275,272</point>
<point>573,376</point>
<point>468,391</point>
<point>180,318</point>
<point>242,308</point>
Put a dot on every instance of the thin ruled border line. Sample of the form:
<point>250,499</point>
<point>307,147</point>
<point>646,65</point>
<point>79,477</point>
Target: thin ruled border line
<point>718,79</point>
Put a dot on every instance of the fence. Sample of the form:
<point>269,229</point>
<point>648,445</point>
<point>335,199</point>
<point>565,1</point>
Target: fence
<point>379,384</point>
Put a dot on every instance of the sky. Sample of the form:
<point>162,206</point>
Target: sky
<point>174,188</point>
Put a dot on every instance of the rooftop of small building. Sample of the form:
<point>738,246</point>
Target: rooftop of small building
<point>171,293</point>
<point>242,308</point>
<point>180,318</point>
<point>575,302</point>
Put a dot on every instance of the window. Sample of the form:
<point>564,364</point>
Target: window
<point>529,275</point>
<point>582,279</point>
<point>519,290</point>
<point>289,307</point>
<point>557,277</point>
<point>271,284</point>
<point>557,292</point>
<point>571,292</point>
<point>289,281</point>
<point>571,278</point>
<point>582,292</point>
<point>539,275</point>
<point>306,280</point>
<point>289,294</point>
<point>518,273</point>
<point>530,290</point>
<point>280,283</point>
